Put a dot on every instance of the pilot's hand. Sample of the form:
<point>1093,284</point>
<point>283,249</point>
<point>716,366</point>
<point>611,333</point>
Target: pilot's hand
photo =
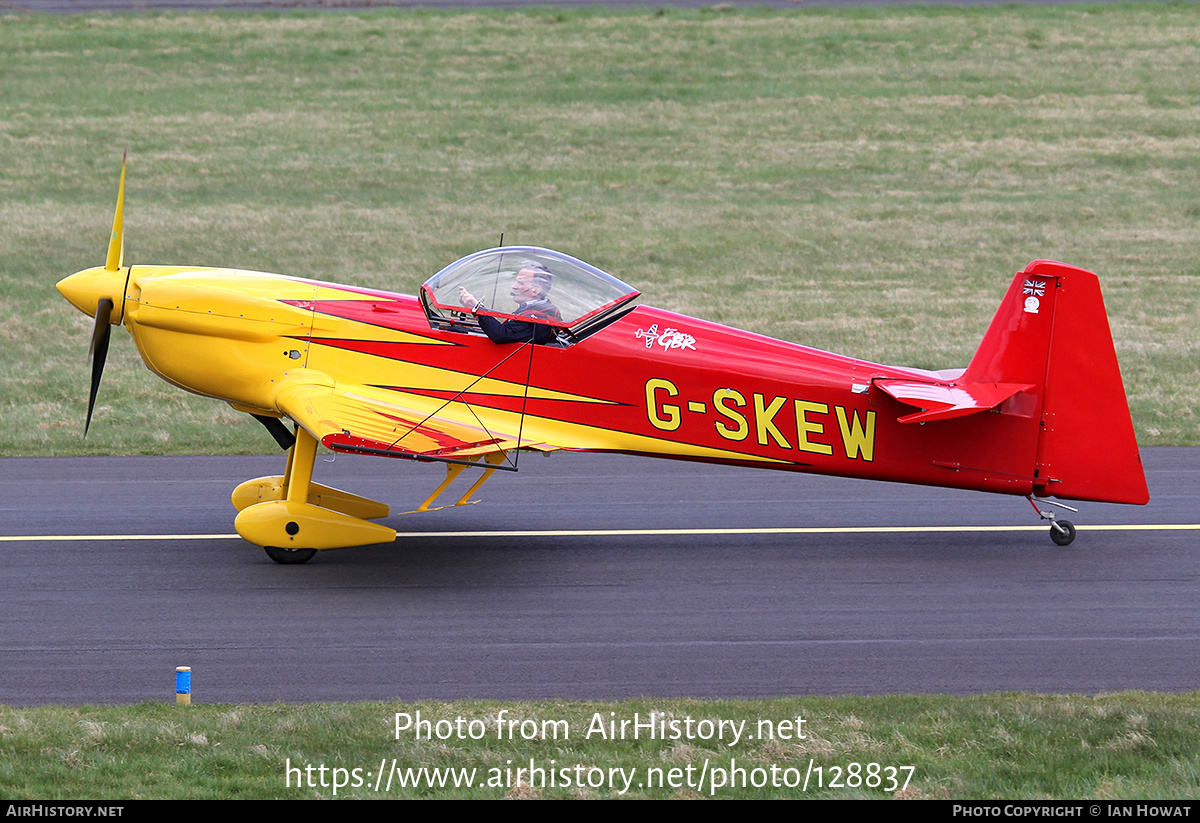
<point>466,298</point>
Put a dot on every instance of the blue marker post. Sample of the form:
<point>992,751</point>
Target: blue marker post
<point>183,686</point>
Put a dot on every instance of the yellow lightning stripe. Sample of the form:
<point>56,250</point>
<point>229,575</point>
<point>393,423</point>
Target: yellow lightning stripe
<point>372,369</point>
<point>331,291</point>
<point>431,378</point>
<point>369,333</point>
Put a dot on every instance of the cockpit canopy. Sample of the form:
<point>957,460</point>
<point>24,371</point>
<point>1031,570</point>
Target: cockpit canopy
<point>586,298</point>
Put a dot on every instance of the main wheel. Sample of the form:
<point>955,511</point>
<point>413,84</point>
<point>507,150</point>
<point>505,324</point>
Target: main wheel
<point>289,556</point>
<point>1066,535</point>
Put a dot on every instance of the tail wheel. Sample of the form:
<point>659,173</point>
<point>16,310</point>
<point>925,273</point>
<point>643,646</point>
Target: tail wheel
<point>289,557</point>
<point>1062,532</point>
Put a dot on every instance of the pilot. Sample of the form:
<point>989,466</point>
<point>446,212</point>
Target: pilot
<point>531,290</point>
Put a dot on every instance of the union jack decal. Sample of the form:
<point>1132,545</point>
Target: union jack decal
<point>1035,287</point>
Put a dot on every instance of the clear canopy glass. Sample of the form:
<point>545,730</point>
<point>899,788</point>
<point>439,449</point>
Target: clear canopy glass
<point>583,295</point>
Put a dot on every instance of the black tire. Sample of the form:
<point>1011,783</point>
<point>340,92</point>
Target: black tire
<point>289,557</point>
<point>1064,537</point>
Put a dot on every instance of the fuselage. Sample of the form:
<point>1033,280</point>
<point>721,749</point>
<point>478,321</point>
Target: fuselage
<point>649,382</point>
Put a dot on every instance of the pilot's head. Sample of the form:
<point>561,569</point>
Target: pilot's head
<point>533,282</point>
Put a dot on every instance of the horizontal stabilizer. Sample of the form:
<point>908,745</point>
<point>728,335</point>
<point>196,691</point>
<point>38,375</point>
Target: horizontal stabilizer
<point>943,401</point>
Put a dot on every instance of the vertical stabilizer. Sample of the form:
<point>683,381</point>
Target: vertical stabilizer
<point>1052,331</point>
<point>1016,346</point>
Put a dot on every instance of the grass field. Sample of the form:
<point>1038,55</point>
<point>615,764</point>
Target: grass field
<point>1014,747</point>
<point>864,181</point>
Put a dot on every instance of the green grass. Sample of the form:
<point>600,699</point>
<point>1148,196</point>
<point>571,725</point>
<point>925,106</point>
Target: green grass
<point>864,181</point>
<point>1117,746</point>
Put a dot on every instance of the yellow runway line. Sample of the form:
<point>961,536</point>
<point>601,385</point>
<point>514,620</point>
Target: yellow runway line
<point>66,538</point>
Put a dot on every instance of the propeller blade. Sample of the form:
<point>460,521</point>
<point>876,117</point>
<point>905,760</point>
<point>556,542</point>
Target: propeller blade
<point>116,243</point>
<point>98,352</point>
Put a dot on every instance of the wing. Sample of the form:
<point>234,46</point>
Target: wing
<point>393,422</point>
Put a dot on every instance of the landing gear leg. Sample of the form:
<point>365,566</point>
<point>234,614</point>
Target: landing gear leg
<point>297,476</point>
<point>292,517</point>
<point>1062,532</point>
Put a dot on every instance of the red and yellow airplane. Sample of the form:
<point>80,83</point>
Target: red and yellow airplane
<point>1040,411</point>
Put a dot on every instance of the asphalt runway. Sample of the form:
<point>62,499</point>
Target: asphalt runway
<point>542,590</point>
